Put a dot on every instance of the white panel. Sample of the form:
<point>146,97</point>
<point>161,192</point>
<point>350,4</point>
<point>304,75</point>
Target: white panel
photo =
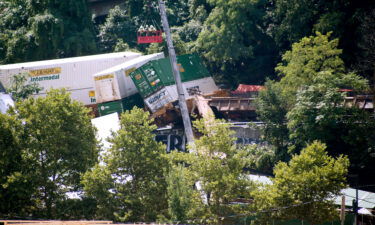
<point>201,86</point>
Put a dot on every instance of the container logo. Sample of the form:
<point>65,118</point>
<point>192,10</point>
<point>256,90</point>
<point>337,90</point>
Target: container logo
<point>107,76</point>
<point>45,74</point>
<point>156,97</point>
<point>138,76</point>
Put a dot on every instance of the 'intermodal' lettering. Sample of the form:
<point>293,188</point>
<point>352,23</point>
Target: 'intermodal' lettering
<point>53,77</point>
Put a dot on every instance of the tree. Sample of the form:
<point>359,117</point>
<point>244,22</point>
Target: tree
<point>180,196</point>
<point>320,114</point>
<point>215,167</point>
<point>131,178</point>
<point>303,188</point>
<point>235,43</point>
<point>307,103</point>
<point>15,191</point>
<point>118,26</point>
<point>293,20</point>
<point>36,30</point>
<point>309,57</point>
<point>20,89</point>
<point>271,108</point>
<point>58,145</point>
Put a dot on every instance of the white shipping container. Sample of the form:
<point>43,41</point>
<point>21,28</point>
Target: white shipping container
<point>115,83</point>
<point>74,74</point>
<point>169,94</point>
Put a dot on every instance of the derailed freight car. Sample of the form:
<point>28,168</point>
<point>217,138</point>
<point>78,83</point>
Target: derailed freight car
<point>74,74</point>
<point>115,83</point>
<point>155,81</point>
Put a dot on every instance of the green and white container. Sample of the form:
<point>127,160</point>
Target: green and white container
<point>115,83</point>
<point>155,81</point>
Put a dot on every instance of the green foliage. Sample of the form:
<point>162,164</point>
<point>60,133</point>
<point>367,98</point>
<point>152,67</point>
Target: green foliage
<point>180,47</point>
<point>314,69</point>
<point>224,22</point>
<point>130,185</point>
<point>320,114</point>
<point>76,209</point>
<point>58,144</point>
<point>302,188</point>
<point>272,109</point>
<point>20,89</point>
<point>366,57</point>
<point>294,19</point>
<point>307,104</point>
<point>308,57</point>
<point>35,30</point>
<point>15,192</point>
<point>261,158</point>
<point>122,23</point>
<point>235,43</point>
<point>118,26</point>
<point>179,194</point>
<point>216,168</point>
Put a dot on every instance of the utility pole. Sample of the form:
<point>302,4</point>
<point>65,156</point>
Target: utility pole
<point>177,76</point>
<point>356,206</point>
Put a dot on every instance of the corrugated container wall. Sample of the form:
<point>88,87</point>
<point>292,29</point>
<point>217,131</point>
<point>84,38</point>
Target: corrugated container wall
<point>74,74</point>
<point>115,83</point>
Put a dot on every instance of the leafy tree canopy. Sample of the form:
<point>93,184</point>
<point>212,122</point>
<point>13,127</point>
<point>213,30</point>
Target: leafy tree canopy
<point>58,145</point>
<point>36,30</point>
<point>15,192</point>
<point>302,188</point>
<point>315,59</point>
<point>215,167</point>
<point>130,185</point>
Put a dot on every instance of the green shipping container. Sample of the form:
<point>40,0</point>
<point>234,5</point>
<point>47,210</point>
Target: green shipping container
<point>130,102</point>
<point>109,107</point>
<point>156,74</point>
<point>120,106</point>
<point>191,68</point>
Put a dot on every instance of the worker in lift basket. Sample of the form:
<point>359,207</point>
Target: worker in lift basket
<point>151,28</point>
<point>141,29</point>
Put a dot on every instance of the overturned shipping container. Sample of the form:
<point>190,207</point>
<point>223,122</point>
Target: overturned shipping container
<point>115,83</point>
<point>155,80</point>
<point>74,74</point>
